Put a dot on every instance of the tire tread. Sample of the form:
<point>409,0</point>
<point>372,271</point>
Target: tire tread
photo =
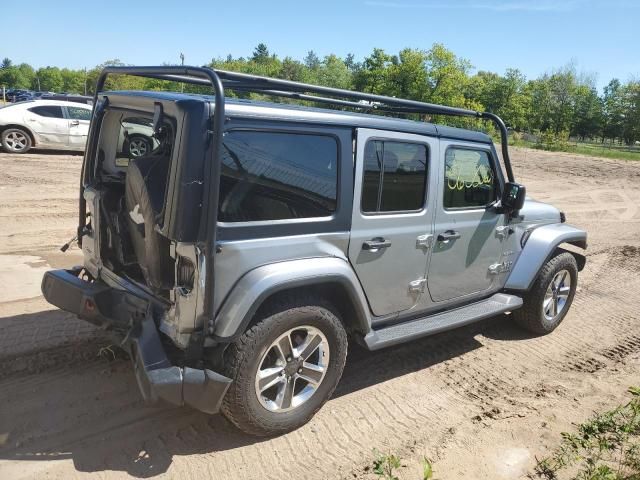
<point>528,316</point>
<point>269,318</point>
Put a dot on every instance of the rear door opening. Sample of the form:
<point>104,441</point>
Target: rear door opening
<point>131,170</point>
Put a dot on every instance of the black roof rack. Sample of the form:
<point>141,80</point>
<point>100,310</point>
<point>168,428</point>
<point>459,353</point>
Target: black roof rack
<point>219,80</point>
<point>223,79</point>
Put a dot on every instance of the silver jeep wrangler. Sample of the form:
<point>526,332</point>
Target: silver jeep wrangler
<point>236,254</point>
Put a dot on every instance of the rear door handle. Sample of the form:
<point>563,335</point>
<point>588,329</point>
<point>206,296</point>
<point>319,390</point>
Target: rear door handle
<point>74,122</point>
<point>448,235</point>
<point>376,244</point>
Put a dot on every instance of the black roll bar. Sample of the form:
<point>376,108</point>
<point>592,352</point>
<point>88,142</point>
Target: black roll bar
<point>219,80</point>
<point>207,76</point>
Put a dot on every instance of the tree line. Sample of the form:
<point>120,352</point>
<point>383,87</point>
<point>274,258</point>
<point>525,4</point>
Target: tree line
<point>560,103</point>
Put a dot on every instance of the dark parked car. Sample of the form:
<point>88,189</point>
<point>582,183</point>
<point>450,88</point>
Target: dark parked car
<point>12,94</point>
<point>24,97</point>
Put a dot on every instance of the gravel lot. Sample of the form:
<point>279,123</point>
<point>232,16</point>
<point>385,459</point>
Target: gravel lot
<point>481,402</point>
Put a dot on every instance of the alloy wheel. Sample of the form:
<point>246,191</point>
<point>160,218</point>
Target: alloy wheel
<point>557,295</point>
<point>292,369</point>
<point>138,147</point>
<point>16,141</point>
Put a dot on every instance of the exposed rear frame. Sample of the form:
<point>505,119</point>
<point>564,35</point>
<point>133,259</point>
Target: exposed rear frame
<point>221,79</point>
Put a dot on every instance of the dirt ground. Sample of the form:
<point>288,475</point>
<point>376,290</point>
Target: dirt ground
<point>482,402</point>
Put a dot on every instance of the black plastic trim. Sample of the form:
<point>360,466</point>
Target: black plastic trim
<point>361,323</point>
<point>94,302</point>
<point>202,389</point>
<point>109,308</point>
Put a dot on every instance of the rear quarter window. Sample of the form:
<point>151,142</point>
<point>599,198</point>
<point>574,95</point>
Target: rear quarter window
<point>277,176</point>
<point>52,111</point>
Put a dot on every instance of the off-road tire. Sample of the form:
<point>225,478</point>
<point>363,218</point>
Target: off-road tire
<point>531,315</point>
<point>241,405</point>
<point>23,134</point>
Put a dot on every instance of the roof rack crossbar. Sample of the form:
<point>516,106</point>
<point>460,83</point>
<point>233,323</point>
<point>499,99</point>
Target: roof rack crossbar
<point>266,83</point>
<point>241,81</point>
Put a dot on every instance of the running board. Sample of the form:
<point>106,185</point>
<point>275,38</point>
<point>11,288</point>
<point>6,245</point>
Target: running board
<point>412,329</point>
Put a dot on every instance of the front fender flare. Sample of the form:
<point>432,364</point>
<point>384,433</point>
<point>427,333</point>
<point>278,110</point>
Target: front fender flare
<point>254,287</point>
<point>542,243</point>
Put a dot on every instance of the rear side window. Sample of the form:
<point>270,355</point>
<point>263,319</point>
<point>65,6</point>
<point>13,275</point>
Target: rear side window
<point>395,176</point>
<point>469,179</point>
<point>277,176</point>
<point>52,111</point>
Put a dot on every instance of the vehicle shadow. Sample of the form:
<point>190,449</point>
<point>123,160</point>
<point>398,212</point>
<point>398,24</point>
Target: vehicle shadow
<point>91,412</point>
<point>38,151</point>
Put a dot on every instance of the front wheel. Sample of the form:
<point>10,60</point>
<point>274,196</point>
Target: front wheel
<point>284,368</point>
<point>551,295</point>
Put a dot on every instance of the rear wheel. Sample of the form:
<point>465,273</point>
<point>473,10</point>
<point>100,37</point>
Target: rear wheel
<point>16,140</point>
<point>284,368</point>
<point>551,295</point>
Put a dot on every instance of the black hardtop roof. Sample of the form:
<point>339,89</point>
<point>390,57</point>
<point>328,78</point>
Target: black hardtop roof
<point>300,113</point>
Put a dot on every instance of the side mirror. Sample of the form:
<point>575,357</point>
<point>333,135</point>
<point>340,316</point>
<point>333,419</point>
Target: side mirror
<point>513,197</point>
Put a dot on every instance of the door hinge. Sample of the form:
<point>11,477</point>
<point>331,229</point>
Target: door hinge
<point>503,231</point>
<point>502,267</point>
<point>417,286</point>
<point>424,241</point>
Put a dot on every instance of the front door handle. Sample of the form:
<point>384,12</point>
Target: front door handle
<point>74,122</point>
<point>376,244</point>
<point>448,235</point>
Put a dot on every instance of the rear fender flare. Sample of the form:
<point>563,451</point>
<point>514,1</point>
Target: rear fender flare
<point>539,248</point>
<point>259,284</point>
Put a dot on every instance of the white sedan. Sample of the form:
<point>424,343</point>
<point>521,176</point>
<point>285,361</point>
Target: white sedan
<point>62,125</point>
<point>44,124</point>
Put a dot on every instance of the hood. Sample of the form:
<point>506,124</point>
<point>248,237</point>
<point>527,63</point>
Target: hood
<point>534,211</point>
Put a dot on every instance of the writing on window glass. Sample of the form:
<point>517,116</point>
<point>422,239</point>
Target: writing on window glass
<point>467,169</point>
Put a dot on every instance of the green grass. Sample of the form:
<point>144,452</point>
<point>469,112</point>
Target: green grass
<point>593,150</point>
<point>606,447</point>
<point>385,466</point>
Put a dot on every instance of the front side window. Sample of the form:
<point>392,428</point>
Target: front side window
<point>277,176</point>
<point>51,111</point>
<point>77,113</point>
<point>394,177</point>
<point>469,179</point>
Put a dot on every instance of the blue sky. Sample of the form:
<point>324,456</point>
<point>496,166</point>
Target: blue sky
<point>599,36</point>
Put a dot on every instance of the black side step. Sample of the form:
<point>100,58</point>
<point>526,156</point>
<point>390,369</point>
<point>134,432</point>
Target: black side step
<point>402,332</point>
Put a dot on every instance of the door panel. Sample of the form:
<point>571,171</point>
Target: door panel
<point>49,125</point>
<point>78,119</point>
<point>468,233</point>
<point>78,132</point>
<point>384,247</point>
